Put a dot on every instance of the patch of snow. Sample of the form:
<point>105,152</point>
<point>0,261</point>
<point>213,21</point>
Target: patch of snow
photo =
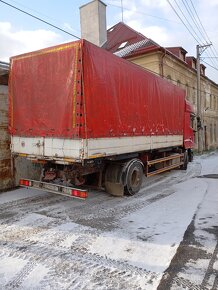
<point>34,220</point>
<point>194,273</point>
<point>149,237</point>
<point>34,279</point>
<point>9,267</point>
<point>19,194</point>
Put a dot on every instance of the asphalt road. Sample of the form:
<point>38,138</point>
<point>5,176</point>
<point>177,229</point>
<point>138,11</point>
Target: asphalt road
<point>49,241</point>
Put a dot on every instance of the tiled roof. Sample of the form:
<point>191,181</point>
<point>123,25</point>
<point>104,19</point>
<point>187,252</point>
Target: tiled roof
<point>126,51</point>
<point>121,34</point>
<point>126,42</point>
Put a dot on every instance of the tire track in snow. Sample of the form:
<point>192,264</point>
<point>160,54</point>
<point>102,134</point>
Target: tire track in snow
<point>128,205</point>
<point>19,208</point>
<point>20,277</point>
<point>27,206</point>
<point>185,284</point>
<point>210,270</point>
<point>78,260</point>
<point>60,259</point>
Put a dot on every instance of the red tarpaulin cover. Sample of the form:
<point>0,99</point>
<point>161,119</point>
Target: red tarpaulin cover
<point>78,90</point>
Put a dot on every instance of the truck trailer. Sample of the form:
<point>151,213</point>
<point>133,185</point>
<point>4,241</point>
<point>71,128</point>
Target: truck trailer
<point>92,118</point>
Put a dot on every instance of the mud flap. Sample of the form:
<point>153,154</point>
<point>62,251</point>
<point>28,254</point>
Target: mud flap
<point>115,189</point>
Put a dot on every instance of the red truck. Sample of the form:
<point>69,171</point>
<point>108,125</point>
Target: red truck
<point>93,118</point>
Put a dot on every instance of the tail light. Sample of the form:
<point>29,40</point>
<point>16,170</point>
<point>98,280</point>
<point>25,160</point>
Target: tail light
<point>24,182</point>
<point>79,193</point>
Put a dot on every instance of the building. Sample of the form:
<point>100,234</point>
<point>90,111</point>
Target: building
<point>173,64</point>
<point>11,169</point>
<point>6,166</point>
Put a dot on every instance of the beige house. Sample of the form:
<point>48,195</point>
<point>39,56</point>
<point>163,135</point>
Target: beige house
<point>172,64</point>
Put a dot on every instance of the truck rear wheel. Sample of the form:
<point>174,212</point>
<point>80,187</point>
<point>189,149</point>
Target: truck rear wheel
<point>113,179</point>
<point>134,175</point>
<point>124,177</point>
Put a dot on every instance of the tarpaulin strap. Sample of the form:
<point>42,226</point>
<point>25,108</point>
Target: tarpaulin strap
<point>11,120</point>
<point>75,86</point>
<point>84,108</point>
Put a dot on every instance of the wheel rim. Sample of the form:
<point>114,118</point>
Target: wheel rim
<point>135,178</point>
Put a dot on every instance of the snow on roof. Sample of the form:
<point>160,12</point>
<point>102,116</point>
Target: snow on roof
<point>130,48</point>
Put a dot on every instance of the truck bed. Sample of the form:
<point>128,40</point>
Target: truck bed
<point>58,149</point>
<point>77,101</point>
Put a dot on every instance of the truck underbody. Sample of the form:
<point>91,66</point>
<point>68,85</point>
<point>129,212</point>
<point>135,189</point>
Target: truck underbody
<point>118,175</point>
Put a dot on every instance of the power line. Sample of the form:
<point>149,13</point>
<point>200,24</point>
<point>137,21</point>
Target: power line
<point>33,10</point>
<point>203,29</point>
<point>182,20</point>
<point>195,22</point>
<point>211,57</point>
<point>37,18</point>
<point>210,65</point>
<point>139,12</point>
<point>199,20</point>
<point>42,14</point>
<point>200,29</point>
<point>187,21</point>
<point>189,10</point>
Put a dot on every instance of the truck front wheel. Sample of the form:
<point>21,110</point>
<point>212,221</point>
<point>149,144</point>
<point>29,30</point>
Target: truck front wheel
<point>184,166</point>
<point>190,155</point>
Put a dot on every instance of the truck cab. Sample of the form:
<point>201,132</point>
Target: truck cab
<point>189,129</point>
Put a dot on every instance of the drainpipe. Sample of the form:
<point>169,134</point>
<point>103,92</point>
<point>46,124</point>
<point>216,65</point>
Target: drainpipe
<point>162,63</point>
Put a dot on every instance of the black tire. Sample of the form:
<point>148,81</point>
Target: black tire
<point>184,166</point>
<point>190,155</point>
<point>134,176</point>
<point>113,173</point>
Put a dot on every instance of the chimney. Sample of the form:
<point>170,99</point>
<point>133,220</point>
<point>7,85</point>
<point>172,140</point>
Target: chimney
<point>93,22</point>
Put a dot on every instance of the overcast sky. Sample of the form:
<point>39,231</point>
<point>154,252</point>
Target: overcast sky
<point>154,18</point>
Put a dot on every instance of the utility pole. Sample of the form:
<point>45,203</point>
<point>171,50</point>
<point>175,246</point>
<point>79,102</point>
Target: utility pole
<point>199,50</point>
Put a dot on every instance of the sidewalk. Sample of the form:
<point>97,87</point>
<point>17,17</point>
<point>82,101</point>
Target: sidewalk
<point>195,266</point>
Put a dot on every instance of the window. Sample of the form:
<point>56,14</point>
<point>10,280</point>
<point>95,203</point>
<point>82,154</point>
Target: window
<point>211,133</point>
<point>215,137</point>
<point>193,96</point>
<point>205,102</point>
<point>192,121</point>
<point>183,55</point>
<point>123,44</point>
<point>111,29</point>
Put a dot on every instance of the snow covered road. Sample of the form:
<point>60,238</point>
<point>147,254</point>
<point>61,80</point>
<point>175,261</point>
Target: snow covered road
<point>163,238</point>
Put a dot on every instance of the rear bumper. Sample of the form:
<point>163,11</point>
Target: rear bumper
<point>54,188</point>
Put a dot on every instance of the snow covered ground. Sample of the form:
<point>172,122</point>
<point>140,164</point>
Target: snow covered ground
<point>163,238</point>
